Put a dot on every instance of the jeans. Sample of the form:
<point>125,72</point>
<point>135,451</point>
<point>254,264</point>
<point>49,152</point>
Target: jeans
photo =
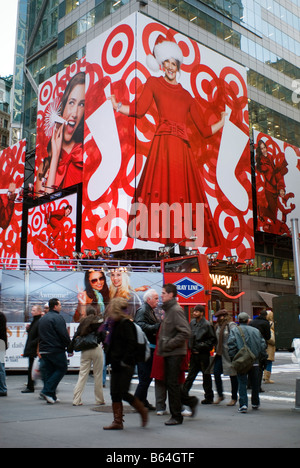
<point>243,383</point>
<point>3,387</point>
<point>53,368</point>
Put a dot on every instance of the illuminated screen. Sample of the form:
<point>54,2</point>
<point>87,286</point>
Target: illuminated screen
<point>277,165</point>
<point>167,154</point>
<point>52,230</point>
<point>12,164</point>
<point>60,130</point>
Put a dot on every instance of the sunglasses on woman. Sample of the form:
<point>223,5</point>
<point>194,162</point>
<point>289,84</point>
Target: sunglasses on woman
<point>94,280</point>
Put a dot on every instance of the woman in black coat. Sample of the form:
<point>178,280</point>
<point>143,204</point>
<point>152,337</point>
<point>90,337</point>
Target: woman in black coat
<point>31,347</point>
<point>121,354</point>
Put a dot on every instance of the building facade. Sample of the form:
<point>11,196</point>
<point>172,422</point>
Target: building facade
<point>5,96</point>
<point>261,35</point>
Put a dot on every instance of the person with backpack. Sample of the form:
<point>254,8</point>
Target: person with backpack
<point>121,355</point>
<point>149,323</point>
<point>250,337</point>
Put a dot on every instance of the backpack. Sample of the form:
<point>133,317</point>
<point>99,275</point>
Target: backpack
<point>143,351</point>
<point>244,359</point>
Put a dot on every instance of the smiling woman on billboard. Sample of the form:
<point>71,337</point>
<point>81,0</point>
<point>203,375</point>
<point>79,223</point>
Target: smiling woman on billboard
<point>170,153</point>
<point>64,164</point>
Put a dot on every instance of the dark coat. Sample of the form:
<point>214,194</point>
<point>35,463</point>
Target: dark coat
<point>148,322</point>
<point>53,333</point>
<point>174,332</point>
<point>203,337</point>
<point>122,344</point>
<point>31,345</point>
<point>263,326</point>
<point>3,329</point>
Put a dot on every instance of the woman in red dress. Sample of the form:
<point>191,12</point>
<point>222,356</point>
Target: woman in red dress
<point>170,175</point>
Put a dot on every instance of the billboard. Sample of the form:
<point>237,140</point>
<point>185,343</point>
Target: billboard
<point>60,130</point>
<point>20,290</point>
<point>12,165</point>
<point>51,231</point>
<point>277,184</point>
<point>167,155</point>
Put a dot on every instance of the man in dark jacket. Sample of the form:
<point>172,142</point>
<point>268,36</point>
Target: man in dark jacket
<point>147,320</point>
<point>201,344</point>
<point>53,342</point>
<point>31,346</point>
<point>172,345</point>
<point>3,348</point>
<point>263,325</point>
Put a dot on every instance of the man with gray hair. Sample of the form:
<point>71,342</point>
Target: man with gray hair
<point>149,323</point>
<point>257,345</point>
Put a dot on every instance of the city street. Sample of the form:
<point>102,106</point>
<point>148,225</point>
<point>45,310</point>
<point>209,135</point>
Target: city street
<point>28,422</point>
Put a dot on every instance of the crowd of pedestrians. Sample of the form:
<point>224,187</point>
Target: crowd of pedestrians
<point>179,351</point>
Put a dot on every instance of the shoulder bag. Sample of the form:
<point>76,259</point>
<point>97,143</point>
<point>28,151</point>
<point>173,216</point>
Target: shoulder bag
<point>82,343</point>
<point>244,359</point>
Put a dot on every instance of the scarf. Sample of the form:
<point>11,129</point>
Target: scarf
<point>219,350</point>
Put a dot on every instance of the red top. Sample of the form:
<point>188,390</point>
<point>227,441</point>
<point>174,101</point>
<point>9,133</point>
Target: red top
<point>173,102</point>
<point>171,175</point>
<point>6,212</point>
<point>70,167</point>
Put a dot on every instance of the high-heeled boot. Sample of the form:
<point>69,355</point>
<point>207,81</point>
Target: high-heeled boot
<point>117,423</point>
<point>138,405</point>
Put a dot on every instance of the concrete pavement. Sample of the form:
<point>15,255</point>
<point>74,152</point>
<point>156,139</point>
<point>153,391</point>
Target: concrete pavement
<point>28,422</point>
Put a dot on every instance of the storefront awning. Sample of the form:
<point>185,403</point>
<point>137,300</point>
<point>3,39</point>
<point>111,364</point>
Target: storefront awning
<point>267,298</point>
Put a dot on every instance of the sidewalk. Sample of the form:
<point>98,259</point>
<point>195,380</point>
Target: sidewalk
<point>26,421</point>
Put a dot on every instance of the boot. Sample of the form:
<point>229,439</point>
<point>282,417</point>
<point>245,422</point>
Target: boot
<point>138,405</point>
<point>267,376</point>
<point>117,423</point>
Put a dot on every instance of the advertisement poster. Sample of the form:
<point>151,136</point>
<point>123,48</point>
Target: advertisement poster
<point>52,230</point>
<point>277,168</point>
<point>165,161</point>
<point>21,290</point>
<point>60,130</point>
<point>12,165</point>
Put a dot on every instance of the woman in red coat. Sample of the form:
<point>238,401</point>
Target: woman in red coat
<point>171,174</point>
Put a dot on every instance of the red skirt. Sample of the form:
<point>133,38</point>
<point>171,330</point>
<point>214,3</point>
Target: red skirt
<point>170,177</point>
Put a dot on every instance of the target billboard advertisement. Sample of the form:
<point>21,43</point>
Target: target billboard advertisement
<point>12,164</point>
<point>277,169</point>
<point>166,155</point>
<point>52,230</point>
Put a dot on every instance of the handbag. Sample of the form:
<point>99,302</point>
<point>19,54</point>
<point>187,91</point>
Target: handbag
<point>36,371</point>
<point>83,343</point>
<point>244,359</point>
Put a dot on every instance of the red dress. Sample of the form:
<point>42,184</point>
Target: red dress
<point>171,174</point>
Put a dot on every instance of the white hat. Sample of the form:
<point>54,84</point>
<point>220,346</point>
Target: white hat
<point>163,50</point>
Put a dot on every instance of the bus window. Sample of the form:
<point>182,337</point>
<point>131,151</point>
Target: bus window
<point>185,265</point>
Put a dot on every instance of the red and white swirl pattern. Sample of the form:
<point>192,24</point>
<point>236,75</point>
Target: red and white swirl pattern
<point>12,164</point>
<point>213,80</point>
